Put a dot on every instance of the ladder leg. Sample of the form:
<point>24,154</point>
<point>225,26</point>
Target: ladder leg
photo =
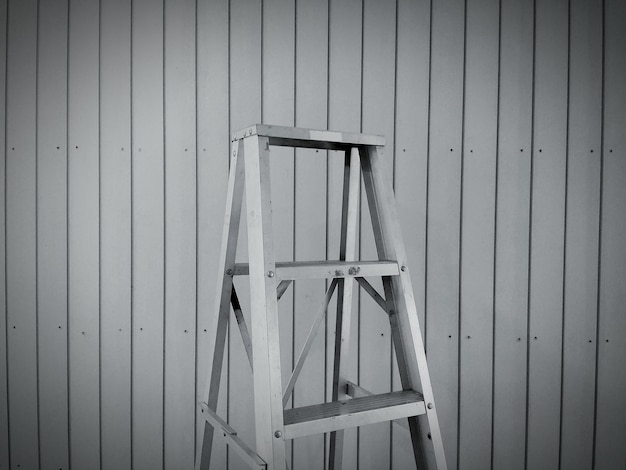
<point>347,250</point>
<point>268,406</point>
<point>405,326</point>
<point>226,263</point>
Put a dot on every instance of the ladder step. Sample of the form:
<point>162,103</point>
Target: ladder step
<point>316,419</point>
<point>327,269</point>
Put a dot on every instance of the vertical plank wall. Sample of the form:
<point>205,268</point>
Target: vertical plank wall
<point>504,123</point>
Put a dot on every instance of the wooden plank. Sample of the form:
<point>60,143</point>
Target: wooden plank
<point>180,233</point>
<point>20,206</point>
<point>115,129</point>
<point>443,222</point>
<point>411,171</point>
<point>4,410</point>
<point>148,235</point>
<point>278,82</point>
<point>581,234</point>
<point>610,430</point>
<point>213,148</point>
<point>245,108</point>
<point>478,233</point>
<point>52,233</point>
<point>547,234</point>
<point>378,112</point>
<point>512,235</point>
<point>84,236</point>
<point>344,112</point>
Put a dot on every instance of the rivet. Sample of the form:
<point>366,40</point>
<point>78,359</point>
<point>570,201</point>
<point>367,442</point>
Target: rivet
<point>229,272</point>
<point>402,268</point>
<point>278,434</point>
<point>270,274</point>
<point>430,406</point>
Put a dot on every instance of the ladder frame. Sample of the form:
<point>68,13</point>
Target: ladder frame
<point>250,157</point>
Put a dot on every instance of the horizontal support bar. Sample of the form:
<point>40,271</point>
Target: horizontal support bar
<point>231,437</point>
<point>327,269</point>
<point>317,419</point>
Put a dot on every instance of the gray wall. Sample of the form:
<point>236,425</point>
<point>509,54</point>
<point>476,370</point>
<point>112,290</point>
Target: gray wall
<point>505,123</point>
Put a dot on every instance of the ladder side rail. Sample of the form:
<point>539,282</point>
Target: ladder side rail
<point>264,306</point>
<point>389,242</point>
<point>226,264</point>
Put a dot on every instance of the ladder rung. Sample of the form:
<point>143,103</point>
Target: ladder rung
<point>327,269</point>
<point>316,419</point>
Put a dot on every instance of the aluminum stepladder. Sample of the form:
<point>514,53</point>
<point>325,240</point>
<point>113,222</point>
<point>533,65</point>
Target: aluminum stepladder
<point>351,405</point>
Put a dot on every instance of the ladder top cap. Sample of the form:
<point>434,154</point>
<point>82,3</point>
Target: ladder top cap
<point>311,138</point>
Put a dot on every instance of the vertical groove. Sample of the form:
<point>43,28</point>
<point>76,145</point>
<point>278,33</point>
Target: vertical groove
<point>326,450</point>
<point>6,295</point>
<point>164,199</point>
<point>360,235</point>
<point>428,130</point>
<point>197,228</point>
<point>38,391</point>
<point>565,224</point>
<point>393,185</point>
<point>295,213</point>
<point>495,235</point>
<point>600,214</point>
<point>460,281</point>
<point>229,117</point>
<point>100,231</point>
<point>530,228</point>
<point>67,232</point>
<point>132,232</point>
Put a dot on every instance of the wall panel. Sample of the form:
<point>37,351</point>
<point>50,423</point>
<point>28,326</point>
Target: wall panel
<point>180,233</point>
<point>20,232</point>
<point>444,210</point>
<point>213,147</point>
<point>581,236</point>
<point>115,233</point>
<point>246,109</point>
<point>547,234</point>
<point>147,235</point>
<point>478,233</point>
<point>411,171</point>
<point>512,234</point>
<point>610,431</point>
<point>83,234</point>
<point>4,412</point>
<point>52,233</point>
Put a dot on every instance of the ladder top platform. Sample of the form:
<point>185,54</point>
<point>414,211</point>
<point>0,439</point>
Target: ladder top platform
<point>309,138</point>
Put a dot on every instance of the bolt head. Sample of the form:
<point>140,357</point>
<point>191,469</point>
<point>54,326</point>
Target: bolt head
<point>270,274</point>
<point>430,406</point>
<point>278,434</point>
<point>403,268</point>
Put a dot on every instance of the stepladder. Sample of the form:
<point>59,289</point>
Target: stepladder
<point>350,405</point>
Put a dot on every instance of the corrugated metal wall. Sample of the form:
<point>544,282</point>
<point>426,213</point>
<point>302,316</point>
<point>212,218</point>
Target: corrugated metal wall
<point>505,125</point>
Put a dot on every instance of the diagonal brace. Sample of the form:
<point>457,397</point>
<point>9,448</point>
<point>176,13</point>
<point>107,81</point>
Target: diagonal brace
<point>309,342</point>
